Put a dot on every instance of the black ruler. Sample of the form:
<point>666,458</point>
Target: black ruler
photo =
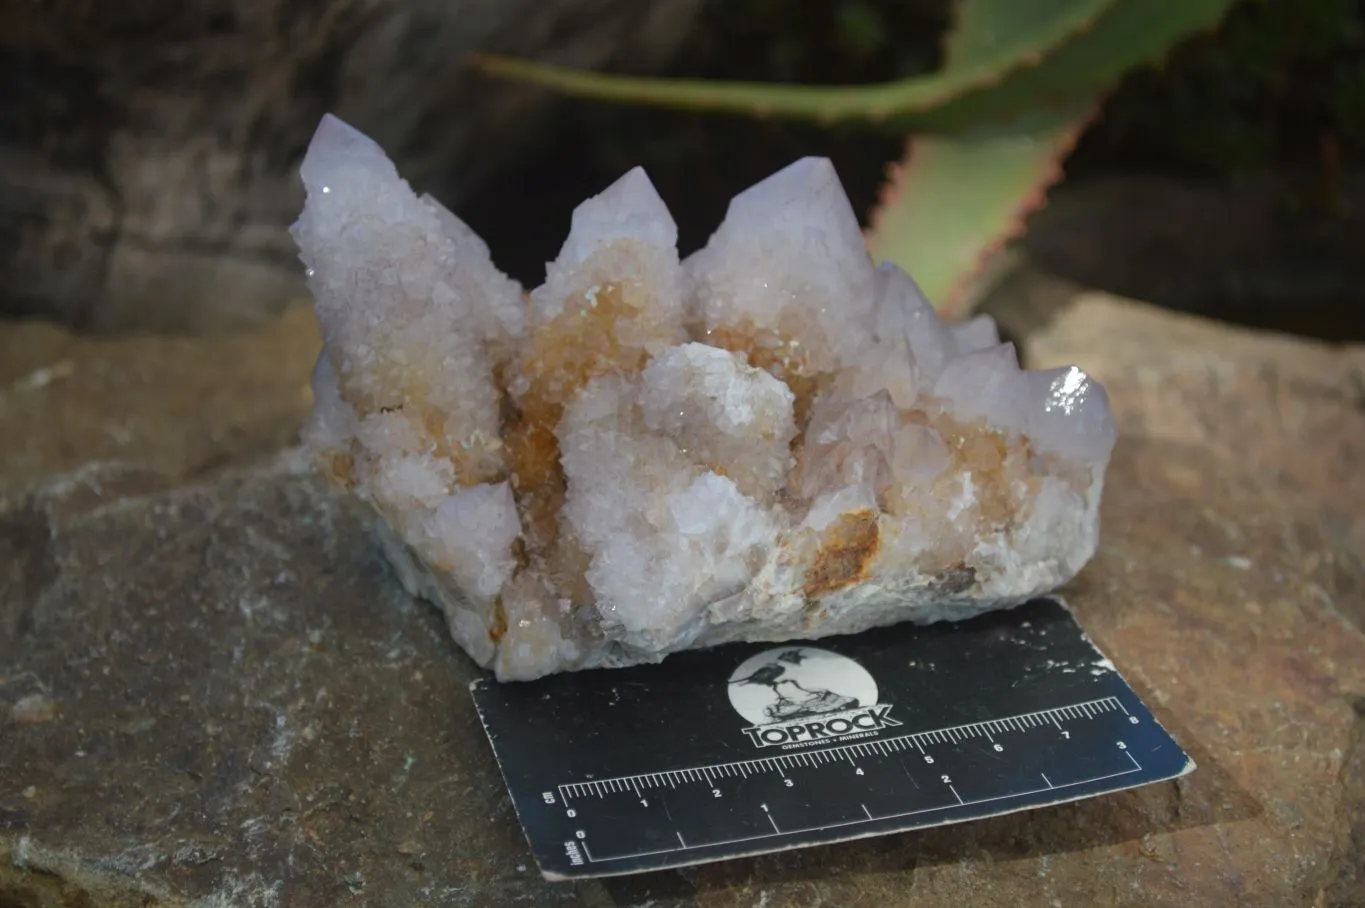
<point>752,748</point>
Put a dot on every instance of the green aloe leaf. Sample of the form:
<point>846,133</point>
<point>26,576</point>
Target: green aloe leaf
<point>997,37</point>
<point>961,194</point>
<point>1129,34</point>
<point>956,200</point>
<point>1004,56</point>
<point>1020,79</point>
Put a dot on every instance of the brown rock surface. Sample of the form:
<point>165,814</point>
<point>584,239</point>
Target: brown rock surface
<point>227,700</point>
<point>178,406</point>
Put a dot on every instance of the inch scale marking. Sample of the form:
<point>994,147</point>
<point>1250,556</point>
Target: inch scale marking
<point>752,748</point>
<point>940,753</point>
<point>883,747</point>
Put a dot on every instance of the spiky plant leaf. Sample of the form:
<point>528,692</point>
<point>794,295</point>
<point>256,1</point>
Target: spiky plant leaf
<point>1020,78</point>
<point>1007,56</point>
<point>961,195</point>
<point>1128,34</point>
<point>1001,36</point>
<point>956,200</point>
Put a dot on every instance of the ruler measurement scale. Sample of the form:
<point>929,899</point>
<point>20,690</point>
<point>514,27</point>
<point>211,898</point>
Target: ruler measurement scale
<point>754,748</point>
<point>572,795</point>
<point>884,747</point>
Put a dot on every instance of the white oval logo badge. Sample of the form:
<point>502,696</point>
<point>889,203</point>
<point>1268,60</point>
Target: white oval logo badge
<point>794,683</point>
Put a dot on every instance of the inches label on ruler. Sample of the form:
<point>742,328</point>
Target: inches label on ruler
<point>749,748</point>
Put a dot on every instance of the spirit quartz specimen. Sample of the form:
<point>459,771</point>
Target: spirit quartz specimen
<point>771,439</point>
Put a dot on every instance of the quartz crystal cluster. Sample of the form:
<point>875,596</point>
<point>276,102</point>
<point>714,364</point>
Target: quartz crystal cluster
<point>770,439</point>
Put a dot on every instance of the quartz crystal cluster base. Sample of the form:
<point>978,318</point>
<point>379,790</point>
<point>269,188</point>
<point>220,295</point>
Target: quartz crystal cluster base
<point>770,439</point>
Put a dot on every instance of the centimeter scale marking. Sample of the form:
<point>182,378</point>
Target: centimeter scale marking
<point>712,755</point>
<point>574,794</point>
<point>815,757</point>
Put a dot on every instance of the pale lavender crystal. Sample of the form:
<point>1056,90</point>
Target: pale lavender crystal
<point>790,257</point>
<point>916,474</point>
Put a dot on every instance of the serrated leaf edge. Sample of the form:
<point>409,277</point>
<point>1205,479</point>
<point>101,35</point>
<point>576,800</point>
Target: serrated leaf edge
<point>897,172</point>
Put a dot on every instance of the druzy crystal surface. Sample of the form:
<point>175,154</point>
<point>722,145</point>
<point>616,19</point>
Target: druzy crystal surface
<point>773,438</point>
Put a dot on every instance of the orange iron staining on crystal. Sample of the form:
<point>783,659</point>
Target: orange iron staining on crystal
<point>773,438</point>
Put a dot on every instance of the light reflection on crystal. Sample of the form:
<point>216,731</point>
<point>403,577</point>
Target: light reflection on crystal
<point>772,439</point>
<point>1067,391</point>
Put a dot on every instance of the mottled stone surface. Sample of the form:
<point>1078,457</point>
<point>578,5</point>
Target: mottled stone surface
<point>174,406</point>
<point>216,694</point>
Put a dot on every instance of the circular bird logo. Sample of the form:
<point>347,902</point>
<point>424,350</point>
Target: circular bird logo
<point>790,683</point>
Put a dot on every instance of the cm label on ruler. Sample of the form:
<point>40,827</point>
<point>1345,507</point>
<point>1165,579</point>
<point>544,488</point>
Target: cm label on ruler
<point>627,770</point>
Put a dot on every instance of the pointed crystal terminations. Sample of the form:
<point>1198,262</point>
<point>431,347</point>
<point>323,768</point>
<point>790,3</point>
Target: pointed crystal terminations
<point>773,439</point>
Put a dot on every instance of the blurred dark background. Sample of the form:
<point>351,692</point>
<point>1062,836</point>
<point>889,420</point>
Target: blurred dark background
<point>1226,182</point>
<point>146,159</point>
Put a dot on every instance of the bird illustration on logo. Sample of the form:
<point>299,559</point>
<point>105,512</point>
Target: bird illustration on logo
<point>793,700</point>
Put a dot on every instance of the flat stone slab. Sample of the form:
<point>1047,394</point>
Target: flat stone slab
<point>216,693</point>
<point>181,406</point>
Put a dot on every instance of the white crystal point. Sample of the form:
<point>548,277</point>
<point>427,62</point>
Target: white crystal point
<point>987,385</point>
<point>788,263</point>
<point>405,334</point>
<point>866,443</point>
<point>623,235</point>
<point>502,317</point>
<point>1069,415</point>
<point>332,424</point>
<point>407,310</point>
<point>1062,411</point>
<point>359,237</point>
<point>471,533</point>
<point>723,414</point>
<point>414,315</point>
<point>977,333</point>
<point>338,150</point>
<point>775,440</point>
<point>666,537</point>
<point>904,350</point>
<point>804,206</point>
<point>629,209</point>
<point>904,316</point>
<point>534,643</point>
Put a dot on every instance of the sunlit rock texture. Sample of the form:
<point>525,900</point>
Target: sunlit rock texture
<point>771,439</point>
